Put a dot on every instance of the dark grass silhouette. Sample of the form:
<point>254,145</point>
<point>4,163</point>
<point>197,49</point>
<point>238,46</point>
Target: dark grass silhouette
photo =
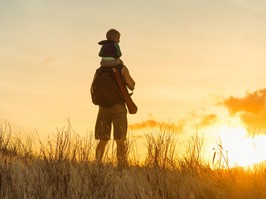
<point>63,167</point>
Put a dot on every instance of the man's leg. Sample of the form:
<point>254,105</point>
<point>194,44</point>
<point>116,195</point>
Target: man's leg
<point>100,150</point>
<point>102,131</point>
<point>120,132</point>
<point>121,153</point>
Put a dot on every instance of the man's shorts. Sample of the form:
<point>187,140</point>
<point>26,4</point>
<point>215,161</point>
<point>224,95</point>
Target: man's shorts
<point>108,116</point>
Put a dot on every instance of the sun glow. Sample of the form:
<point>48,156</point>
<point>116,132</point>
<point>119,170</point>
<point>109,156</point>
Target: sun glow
<point>238,148</point>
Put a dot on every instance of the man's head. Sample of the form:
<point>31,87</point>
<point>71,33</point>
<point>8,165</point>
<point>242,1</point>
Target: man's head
<point>113,35</point>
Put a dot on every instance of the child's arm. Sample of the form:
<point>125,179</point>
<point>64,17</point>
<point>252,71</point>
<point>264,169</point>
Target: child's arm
<point>111,63</point>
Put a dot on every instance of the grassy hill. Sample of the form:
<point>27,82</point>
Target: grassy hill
<point>63,167</point>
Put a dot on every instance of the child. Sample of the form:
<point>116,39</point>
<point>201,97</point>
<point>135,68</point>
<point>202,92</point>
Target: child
<point>111,53</point>
<point>110,50</point>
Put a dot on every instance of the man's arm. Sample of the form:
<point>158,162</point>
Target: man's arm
<point>129,81</point>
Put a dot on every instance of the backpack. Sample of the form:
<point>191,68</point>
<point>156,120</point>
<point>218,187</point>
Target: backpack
<point>104,89</point>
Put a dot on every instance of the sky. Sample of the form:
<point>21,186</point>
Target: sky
<point>198,65</point>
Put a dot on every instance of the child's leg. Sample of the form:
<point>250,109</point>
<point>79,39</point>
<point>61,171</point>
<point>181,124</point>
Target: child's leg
<point>111,63</point>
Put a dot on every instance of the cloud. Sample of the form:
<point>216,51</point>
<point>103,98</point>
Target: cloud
<point>193,118</point>
<point>251,109</point>
<point>144,124</point>
<point>208,120</point>
<point>151,123</point>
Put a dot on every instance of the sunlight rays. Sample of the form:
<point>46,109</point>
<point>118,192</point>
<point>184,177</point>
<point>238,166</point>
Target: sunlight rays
<point>239,148</point>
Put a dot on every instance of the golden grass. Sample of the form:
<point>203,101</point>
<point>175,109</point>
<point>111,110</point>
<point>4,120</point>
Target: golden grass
<point>63,167</point>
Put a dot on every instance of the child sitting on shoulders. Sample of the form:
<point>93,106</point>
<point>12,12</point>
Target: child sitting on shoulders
<point>110,51</point>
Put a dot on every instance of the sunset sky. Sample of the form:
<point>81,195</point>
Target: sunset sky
<point>199,65</point>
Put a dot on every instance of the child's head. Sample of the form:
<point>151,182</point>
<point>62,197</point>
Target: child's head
<point>113,35</point>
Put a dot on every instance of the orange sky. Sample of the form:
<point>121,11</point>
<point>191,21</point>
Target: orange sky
<point>196,64</point>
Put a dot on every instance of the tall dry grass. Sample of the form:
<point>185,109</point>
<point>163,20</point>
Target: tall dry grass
<point>63,167</point>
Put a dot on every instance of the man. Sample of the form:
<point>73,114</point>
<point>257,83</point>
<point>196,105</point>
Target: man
<point>115,115</point>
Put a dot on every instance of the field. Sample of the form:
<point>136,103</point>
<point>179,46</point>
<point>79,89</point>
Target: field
<point>63,167</point>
